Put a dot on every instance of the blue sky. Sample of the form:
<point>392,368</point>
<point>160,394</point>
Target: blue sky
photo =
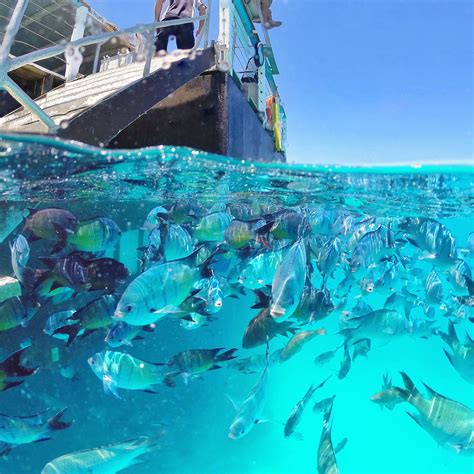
<point>368,80</point>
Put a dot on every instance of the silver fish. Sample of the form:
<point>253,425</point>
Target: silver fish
<point>297,412</point>
<point>105,460</point>
<point>288,283</point>
<point>460,355</point>
<point>249,413</point>
<point>326,458</point>
<point>17,430</point>
<point>449,423</point>
<point>432,238</point>
<point>119,370</point>
<point>20,255</point>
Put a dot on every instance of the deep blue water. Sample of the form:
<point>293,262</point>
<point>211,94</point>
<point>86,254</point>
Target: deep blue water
<point>192,419</point>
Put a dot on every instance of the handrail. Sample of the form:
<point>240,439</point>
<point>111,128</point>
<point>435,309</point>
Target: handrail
<point>90,40</point>
<point>238,41</point>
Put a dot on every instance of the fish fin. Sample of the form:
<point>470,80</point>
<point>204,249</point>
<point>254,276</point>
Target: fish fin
<point>341,445</point>
<point>470,285</point>
<point>410,386</point>
<point>414,417</point>
<point>263,300</point>
<point>431,392</point>
<point>189,318</point>
<point>110,387</point>
<point>322,383</point>
<point>6,450</point>
<point>169,309</point>
<point>458,448</point>
<point>233,402</point>
<point>42,439</point>
<point>55,423</point>
<point>13,368</point>
<point>412,241</point>
<point>149,390</point>
<point>453,337</point>
<point>206,270</point>
<point>71,330</point>
<point>449,356</point>
<point>265,420</point>
<point>227,355</point>
<point>215,367</point>
<point>62,234</point>
<point>8,385</point>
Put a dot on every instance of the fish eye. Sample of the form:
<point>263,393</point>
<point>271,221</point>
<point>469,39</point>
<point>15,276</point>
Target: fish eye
<point>129,308</point>
<point>152,310</point>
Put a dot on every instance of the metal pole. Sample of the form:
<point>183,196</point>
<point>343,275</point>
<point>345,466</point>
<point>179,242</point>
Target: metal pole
<point>96,58</point>
<point>25,100</point>
<point>224,61</point>
<point>262,100</point>
<point>149,53</point>
<point>10,33</point>
<point>208,21</point>
<point>73,55</point>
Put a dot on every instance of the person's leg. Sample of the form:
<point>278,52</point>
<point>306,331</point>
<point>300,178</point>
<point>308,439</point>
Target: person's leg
<point>268,21</point>
<point>185,36</point>
<point>266,12</point>
<point>162,37</point>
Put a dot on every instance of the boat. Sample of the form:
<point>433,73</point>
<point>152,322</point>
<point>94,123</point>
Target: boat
<point>67,72</point>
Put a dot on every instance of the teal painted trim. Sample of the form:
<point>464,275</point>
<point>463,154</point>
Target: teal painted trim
<point>246,21</point>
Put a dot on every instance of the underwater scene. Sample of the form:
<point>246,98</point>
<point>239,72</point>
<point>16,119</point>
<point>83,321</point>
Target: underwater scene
<point>168,310</point>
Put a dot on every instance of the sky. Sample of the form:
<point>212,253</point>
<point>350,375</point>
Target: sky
<point>366,81</point>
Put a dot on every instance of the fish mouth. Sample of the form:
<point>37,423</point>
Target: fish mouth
<point>118,314</point>
<point>232,436</point>
<point>277,311</point>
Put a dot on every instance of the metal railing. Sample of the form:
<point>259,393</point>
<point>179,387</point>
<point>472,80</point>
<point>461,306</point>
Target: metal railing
<point>8,64</point>
<point>239,51</point>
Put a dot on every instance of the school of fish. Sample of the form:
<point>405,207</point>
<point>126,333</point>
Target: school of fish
<point>300,266</point>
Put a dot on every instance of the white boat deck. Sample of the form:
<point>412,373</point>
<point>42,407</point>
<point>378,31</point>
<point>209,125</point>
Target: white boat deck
<point>69,100</point>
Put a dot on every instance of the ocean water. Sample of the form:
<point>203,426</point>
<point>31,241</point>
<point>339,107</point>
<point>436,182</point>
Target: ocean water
<point>190,421</point>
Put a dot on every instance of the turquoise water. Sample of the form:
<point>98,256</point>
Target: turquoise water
<point>191,421</point>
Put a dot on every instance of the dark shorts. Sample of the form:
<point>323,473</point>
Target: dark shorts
<point>184,35</point>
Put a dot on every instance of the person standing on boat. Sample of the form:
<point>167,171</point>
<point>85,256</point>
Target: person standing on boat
<point>184,34</point>
<point>268,21</point>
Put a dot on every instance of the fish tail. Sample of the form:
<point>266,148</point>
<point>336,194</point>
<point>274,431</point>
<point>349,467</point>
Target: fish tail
<point>410,391</point>
<point>327,417</point>
<point>227,355</point>
<point>205,267</point>
<point>13,368</point>
<point>262,234</point>
<point>263,300</point>
<point>470,285</point>
<point>453,338</point>
<point>71,331</point>
<point>55,423</point>
<point>347,334</point>
<point>143,444</point>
